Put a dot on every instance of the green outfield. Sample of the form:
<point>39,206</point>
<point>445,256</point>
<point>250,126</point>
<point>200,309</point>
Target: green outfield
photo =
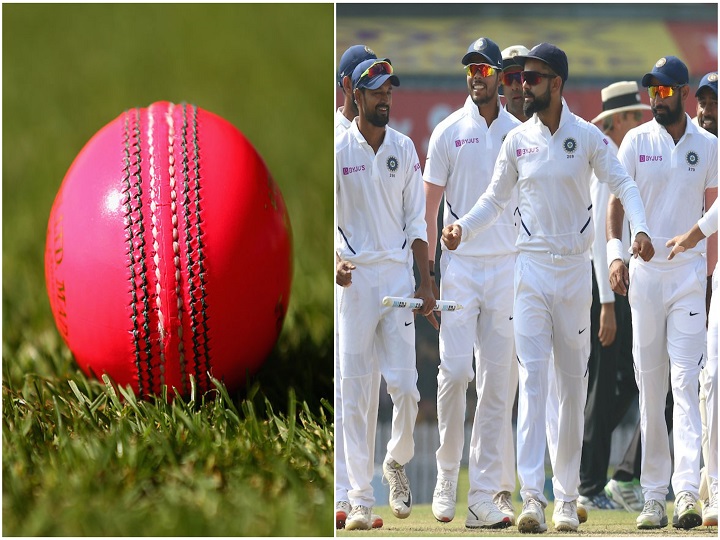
<point>76,461</point>
<point>421,523</point>
<point>608,523</point>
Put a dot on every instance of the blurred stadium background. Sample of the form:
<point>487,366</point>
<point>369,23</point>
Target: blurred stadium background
<point>605,43</point>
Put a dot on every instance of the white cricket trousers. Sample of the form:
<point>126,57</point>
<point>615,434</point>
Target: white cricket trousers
<point>667,302</point>
<point>552,324</point>
<point>342,481</point>
<point>507,479</point>
<point>710,382</point>
<point>484,286</point>
<point>364,323</point>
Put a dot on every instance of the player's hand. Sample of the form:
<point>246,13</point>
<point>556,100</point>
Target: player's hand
<point>608,324</point>
<point>683,242</point>
<point>643,247</point>
<point>619,277</point>
<point>425,293</point>
<point>451,236</point>
<point>343,273</point>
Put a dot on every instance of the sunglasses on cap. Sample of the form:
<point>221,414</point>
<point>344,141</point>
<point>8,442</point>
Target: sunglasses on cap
<point>509,78</point>
<point>485,70</point>
<point>534,77</point>
<point>377,68</point>
<point>663,91</point>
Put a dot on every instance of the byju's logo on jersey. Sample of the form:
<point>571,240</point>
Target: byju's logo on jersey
<point>569,145</point>
<point>461,142</point>
<point>692,158</point>
<point>644,158</point>
<point>525,151</point>
<point>392,164</point>
<point>350,170</point>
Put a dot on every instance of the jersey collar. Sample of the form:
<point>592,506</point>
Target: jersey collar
<point>690,127</point>
<point>475,113</point>
<point>354,129</point>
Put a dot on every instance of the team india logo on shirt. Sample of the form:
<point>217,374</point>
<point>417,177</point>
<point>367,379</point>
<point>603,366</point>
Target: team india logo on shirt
<point>392,164</point>
<point>692,158</point>
<point>570,145</point>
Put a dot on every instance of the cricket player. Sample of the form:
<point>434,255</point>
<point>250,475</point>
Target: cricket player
<point>550,159</point>
<point>673,162</point>
<point>706,95</point>
<point>511,87</point>
<point>461,157</point>
<point>705,227</point>
<point>380,213</point>
<point>343,119</point>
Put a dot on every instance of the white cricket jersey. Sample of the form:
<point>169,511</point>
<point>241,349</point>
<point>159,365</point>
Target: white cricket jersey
<point>672,180</point>
<point>709,224</point>
<point>341,123</point>
<point>600,196</point>
<point>552,173</point>
<point>379,198</point>
<point>461,158</point>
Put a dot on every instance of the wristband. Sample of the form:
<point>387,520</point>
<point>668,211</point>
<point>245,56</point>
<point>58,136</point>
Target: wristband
<point>614,250</point>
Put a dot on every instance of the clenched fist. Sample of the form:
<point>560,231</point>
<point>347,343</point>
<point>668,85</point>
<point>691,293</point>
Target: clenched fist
<point>343,273</point>
<point>451,236</point>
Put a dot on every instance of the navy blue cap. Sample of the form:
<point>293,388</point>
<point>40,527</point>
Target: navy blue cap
<point>374,82</point>
<point>487,49</point>
<point>551,55</point>
<point>351,58</point>
<point>669,70</point>
<point>708,81</point>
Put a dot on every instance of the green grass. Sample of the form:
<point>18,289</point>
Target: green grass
<point>82,458</point>
<point>609,523</point>
<point>614,523</point>
<point>75,459</point>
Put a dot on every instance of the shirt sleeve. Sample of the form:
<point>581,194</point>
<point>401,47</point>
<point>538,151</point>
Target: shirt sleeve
<point>336,182</point>
<point>712,180</point>
<point>709,222</point>
<point>618,173</point>
<point>437,164</point>
<point>600,195</point>
<point>414,198</point>
<point>491,203</point>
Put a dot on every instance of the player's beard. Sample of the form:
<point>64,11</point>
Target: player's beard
<point>490,95</point>
<point>376,118</point>
<point>666,115</point>
<point>538,104</point>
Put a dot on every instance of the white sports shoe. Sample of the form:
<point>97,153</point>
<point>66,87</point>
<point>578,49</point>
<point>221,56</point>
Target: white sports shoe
<point>342,509</point>
<point>444,498</point>
<point>485,515</point>
<point>627,494</point>
<point>503,500</point>
<point>359,519</point>
<point>686,514</point>
<point>709,512</point>
<point>653,515</point>
<point>565,516</point>
<point>532,518</point>
<point>400,496</point>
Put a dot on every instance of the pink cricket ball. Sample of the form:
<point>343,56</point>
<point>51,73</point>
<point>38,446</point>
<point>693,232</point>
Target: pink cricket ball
<point>169,252</point>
